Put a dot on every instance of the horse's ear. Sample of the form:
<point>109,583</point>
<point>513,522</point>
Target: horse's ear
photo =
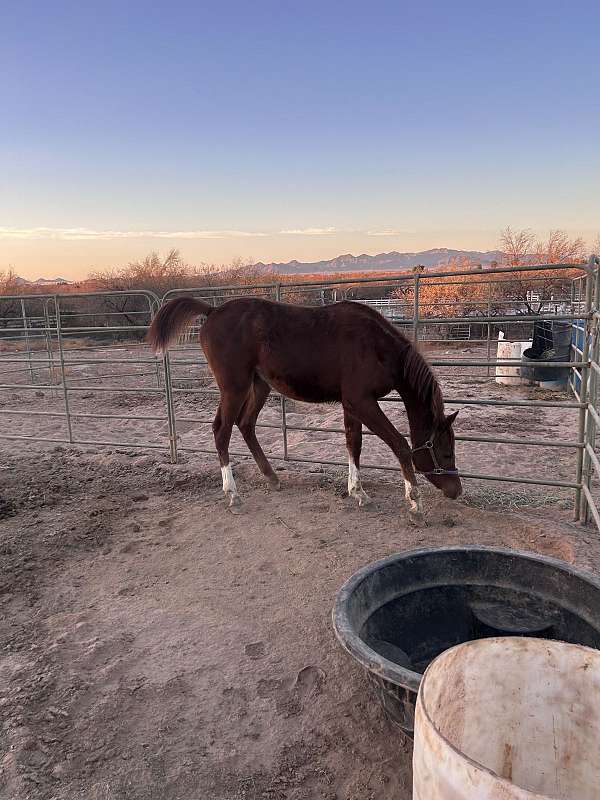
<point>449,421</point>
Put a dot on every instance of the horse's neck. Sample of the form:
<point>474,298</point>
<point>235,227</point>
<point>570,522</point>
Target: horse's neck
<point>420,417</point>
<point>418,400</point>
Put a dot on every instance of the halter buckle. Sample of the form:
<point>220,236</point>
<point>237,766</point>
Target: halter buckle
<point>437,470</point>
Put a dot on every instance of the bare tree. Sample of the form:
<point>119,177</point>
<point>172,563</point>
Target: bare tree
<point>527,292</point>
<point>160,274</point>
<point>559,248</point>
<point>154,273</point>
<point>8,282</point>
<point>460,295</point>
<point>531,291</point>
<point>8,286</point>
<point>517,246</point>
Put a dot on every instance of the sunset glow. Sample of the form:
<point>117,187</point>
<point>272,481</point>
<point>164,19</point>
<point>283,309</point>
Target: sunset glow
<point>249,131</point>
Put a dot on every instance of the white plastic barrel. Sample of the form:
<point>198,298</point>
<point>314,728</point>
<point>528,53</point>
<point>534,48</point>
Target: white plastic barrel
<point>509,719</point>
<point>510,376</point>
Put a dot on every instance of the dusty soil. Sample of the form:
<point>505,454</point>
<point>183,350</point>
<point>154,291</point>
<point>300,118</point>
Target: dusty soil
<point>156,646</point>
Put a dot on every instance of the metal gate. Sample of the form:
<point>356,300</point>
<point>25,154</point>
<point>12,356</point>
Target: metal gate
<point>72,345</point>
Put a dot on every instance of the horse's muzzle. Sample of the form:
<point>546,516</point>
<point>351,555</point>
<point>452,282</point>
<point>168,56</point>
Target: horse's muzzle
<point>448,484</point>
<point>453,489</point>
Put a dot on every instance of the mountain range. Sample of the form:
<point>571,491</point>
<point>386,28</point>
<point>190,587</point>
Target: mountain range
<point>386,261</point>
<point>429,259</point>
<point>41,281</point>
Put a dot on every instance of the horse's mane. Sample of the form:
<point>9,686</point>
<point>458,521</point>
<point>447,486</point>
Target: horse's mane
<point>416,370</point>
<point>420,376</point>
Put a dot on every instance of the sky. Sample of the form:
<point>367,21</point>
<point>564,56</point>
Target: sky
<point>277,130</point>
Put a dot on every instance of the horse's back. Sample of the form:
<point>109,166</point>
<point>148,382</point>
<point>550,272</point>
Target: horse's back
<point>306,352</point>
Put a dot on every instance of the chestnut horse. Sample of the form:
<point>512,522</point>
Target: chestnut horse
<point>346,353</point>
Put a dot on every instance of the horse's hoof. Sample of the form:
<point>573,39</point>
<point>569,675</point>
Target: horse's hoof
<point>274,482</point>
<point>417,519</point>
<point>235,504</point>
<point>360,495</point>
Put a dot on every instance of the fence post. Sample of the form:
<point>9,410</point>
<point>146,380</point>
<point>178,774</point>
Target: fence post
<point>153,306</point>
<point>590,427</point>
<point>27,345</point>
<point>63,373</point>
<point>281,397</point>
<point>489,325</point>
<point>169,403</point>
<point>582,458</point>
<point>51,368</point>
<point>416,310</point>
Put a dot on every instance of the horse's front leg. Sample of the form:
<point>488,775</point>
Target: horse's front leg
<point>368,411</point>
<point>413,495</point>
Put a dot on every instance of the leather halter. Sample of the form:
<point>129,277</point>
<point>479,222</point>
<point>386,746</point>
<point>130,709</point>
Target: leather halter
<point>437,469</point>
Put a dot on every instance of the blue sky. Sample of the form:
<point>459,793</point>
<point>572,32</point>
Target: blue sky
<point>280,130</point>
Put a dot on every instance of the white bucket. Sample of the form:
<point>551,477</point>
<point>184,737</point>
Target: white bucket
<point>510,376</point>
<point>511,718</point>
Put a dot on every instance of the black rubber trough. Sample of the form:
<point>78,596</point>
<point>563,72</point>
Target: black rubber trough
<point>551,342</point>
<point>395,616</point>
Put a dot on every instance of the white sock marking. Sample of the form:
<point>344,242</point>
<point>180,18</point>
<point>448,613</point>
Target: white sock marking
<point>353,477</point>
<point>413,497</point>
<point>229,486</point>
<point>354,484</point>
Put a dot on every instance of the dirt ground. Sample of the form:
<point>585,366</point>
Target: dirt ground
<point>156,646</point>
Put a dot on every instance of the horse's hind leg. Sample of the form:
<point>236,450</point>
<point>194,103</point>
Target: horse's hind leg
<point>353,428</point>
<point>367,410</point>
<point>227,413</point>
<point>255,401</point>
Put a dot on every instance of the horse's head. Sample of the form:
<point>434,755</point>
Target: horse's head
<point>435,459</point>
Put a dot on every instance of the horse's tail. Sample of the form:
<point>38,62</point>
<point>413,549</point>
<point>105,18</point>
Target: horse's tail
<point>172,319</point>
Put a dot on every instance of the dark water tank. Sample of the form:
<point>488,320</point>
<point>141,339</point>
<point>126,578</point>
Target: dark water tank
<point>551,342</point>
<point>395,616</point>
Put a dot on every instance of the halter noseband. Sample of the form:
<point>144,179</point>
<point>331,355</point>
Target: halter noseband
<point>437,469</point>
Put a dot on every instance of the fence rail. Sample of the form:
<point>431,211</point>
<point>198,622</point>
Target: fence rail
<point>47,328</point>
